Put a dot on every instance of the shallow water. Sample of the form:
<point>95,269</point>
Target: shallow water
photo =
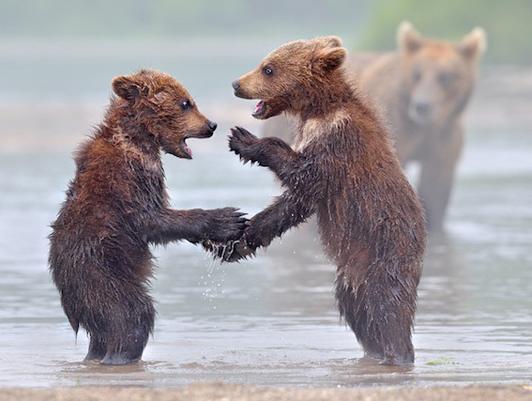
<point>272,321</point>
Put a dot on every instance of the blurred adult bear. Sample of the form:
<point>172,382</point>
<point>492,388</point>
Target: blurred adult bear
<point>422,91</point>
<point>117,205</point>
<point>343,169</point>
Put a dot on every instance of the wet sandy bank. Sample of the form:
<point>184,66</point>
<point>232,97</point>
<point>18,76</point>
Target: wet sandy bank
<point>215,392</point>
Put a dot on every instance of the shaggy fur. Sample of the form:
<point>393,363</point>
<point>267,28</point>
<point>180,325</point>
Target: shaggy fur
<point>117,205</point>
<point>422,90</point>
<point>344,170</point>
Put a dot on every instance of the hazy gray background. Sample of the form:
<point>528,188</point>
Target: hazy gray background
<point>57,57</point>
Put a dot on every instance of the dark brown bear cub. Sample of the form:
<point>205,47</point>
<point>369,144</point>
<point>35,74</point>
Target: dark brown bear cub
<point>117,205</point>
<point>343,169</point>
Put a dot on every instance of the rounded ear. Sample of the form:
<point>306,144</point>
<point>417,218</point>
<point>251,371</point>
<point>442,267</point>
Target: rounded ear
<point>330,41</point>
<point>329,59</point>
<point>126,87</point>
<point>409,40</point>
<point>474,44</point>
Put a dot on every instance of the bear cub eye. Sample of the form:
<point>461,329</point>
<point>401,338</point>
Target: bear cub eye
<point>267,70</point>
<point>186,105</point>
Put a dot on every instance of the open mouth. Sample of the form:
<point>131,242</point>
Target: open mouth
<point>265,109</point>
<point>260,108</point>
<point>186,152</point>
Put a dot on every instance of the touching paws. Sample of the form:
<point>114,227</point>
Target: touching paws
<point>224,225</point>
<point>245,144</point>
<point>232,251</point>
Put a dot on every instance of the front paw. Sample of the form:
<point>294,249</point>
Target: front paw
<point>244,248</point>
<point>224,225</point>
<point>232,251</point>
<point>244,144</point>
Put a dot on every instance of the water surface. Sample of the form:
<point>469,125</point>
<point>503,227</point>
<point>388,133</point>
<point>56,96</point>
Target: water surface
<point>272,320</point>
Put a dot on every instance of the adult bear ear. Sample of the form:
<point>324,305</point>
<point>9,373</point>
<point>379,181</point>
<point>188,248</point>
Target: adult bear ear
<point>329,59</point>
<point>474,44</point>
<point>127,87</point>
<point>409,40</point>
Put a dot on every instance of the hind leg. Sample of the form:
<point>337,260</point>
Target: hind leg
<point>119,319</point>
<point>97,349</point>
<point>132,323</point>
<point>356,318</point>
<point>130,348</point>
<point>380,312</point>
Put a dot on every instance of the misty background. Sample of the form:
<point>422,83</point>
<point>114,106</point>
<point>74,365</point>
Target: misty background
<point>57,57</point>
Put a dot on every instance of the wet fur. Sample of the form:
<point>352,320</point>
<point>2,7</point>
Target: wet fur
<point>344,170</point>
<point>115,207</point>
<point>386,79</point>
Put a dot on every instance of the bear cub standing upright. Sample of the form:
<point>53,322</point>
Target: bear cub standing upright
<point>343,169</point>
<point>117,205</point>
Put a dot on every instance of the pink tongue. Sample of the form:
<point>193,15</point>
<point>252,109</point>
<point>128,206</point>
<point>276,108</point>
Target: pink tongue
<point>258,107</point>
<point>188,150</point>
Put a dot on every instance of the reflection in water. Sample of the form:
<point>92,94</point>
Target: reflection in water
<point>272,320</point>
<point>73,369</point>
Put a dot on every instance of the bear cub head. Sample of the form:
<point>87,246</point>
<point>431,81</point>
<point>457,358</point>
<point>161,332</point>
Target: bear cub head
<point>295,77</point>
<point>156,107</point>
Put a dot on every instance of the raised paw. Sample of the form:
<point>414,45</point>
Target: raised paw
<point>225,225</point>
<point>244,144</point>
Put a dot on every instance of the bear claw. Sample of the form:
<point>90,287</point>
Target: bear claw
<point>240,142</point>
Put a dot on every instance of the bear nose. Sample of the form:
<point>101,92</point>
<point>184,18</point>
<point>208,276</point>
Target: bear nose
<point>423,108</point>
<point>212,125</point>
<point>236,85</point>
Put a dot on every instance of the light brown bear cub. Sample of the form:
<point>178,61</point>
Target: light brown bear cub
<point>423,89</point>
<point>343,169</point>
